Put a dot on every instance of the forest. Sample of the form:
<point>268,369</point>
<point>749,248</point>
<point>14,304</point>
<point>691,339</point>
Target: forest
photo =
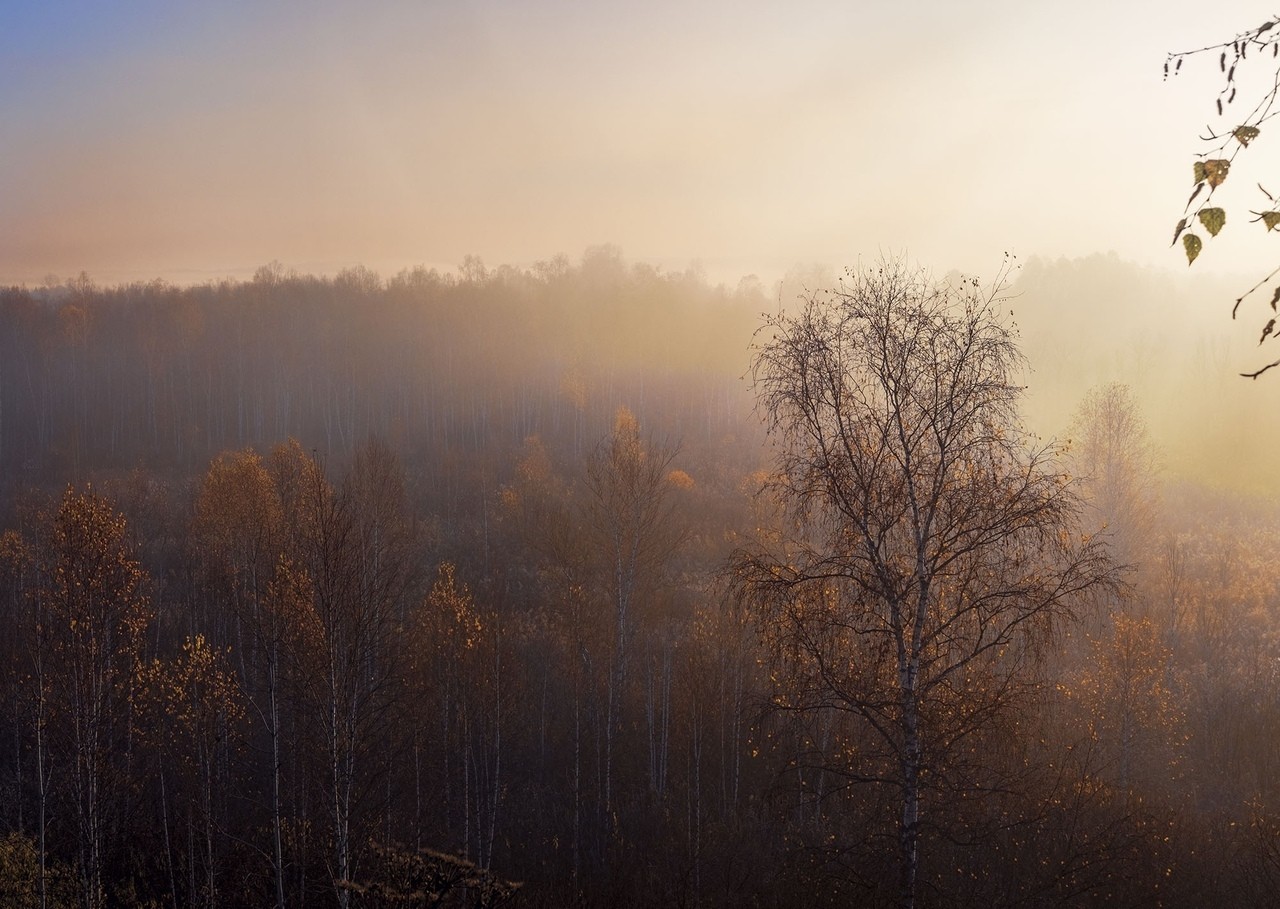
<point>592,584</point>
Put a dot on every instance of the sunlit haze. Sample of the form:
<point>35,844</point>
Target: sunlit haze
<point>200,140</point>
<point>194,142</point>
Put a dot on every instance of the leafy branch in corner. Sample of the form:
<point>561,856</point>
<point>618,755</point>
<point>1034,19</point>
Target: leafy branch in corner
<point>1212,167</point>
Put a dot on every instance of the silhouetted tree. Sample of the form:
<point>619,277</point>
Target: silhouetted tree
<point>927,545</point>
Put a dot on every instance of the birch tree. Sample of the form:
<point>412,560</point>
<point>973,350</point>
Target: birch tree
<point>92,592</point>
<point>927,543</point>
<point>237,527</point>
<point>630,514</point>
<point>196,709</point>
<point>353,549</point>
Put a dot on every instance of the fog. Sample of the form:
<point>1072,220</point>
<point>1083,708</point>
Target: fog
<point>1171,339</point>
<point>194,143</point>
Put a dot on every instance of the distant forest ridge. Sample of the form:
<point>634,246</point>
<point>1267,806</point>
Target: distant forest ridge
<point>441,366</point>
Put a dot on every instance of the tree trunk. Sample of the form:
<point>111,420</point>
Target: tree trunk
<point>42,782</point>
<point>909,834</point>
<point>909,837</point>
<point>277,838</point>
<point>168,845</point>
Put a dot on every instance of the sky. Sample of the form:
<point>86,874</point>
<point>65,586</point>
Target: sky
<point>193,141</point>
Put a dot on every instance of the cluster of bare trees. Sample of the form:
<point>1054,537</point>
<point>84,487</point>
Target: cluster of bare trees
<point>291,613</point>
<point>308,679</point>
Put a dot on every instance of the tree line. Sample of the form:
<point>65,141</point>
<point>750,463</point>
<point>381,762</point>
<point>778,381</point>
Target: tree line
<point>442,366</point>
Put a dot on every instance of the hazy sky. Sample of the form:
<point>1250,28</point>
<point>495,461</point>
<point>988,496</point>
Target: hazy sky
<point>192,140</point>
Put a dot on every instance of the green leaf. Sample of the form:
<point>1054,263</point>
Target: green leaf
<point>1215,171</point>
<point>1201,172</point>
<point>1271,219</point>
<point>1177,232</point>
<point>1213,219</point>
<point>1267,330</point>
<point>1191,243</point>
<point>1245,134</point>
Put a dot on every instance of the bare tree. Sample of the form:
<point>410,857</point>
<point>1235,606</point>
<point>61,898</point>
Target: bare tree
<point>1112,454</point>
<point>927,545</point>
<point>353,548</point>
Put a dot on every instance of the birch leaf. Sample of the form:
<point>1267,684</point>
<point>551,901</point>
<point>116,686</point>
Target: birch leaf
<point>1215,171</point>
<point>1213,219</point>
<point>1245,134</point>
<point>1191,243</point>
